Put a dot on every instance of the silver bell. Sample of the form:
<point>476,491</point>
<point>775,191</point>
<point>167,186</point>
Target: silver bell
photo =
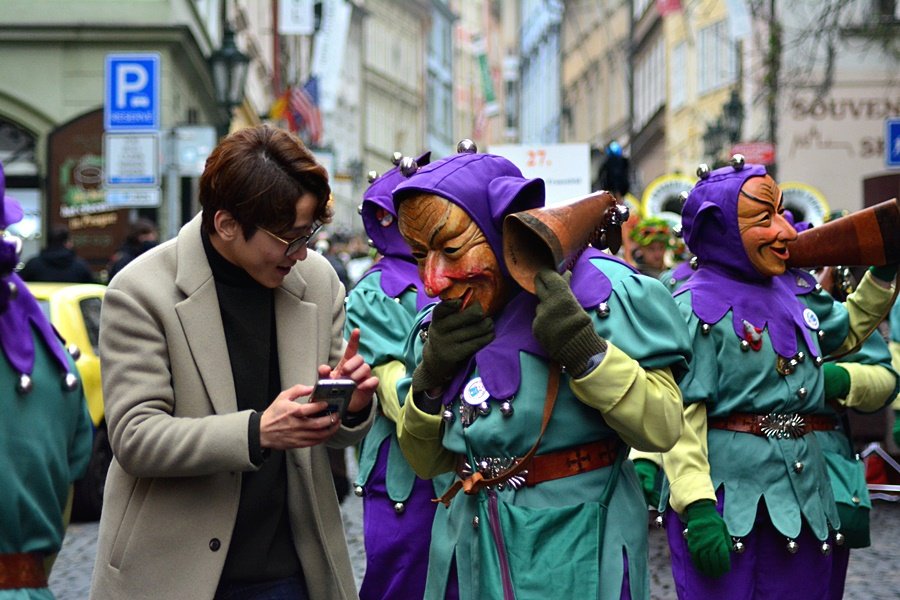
<point>792,546</point>
<point>370,242</point>
<point>802,393</point>
<point>25,385</point>
<point>447,416</point>
<point>358,490</point>
<point>475,522</point>
<point>684,532</point>
<point>678,231</point>
<point>466,146</point>
<point>423,334</point>
<point>359,206</point>
<point>839,539</point>
<point>484,409</point>
<point>801,356</point>
<point>408,166</point>
<point>371,176</point>
<point>821,334</point>
<point>818,361</point>
<point>70,382</point>
<point>737,162</point>
<point>705,328</point>
<point>703,171</point>
<point>659,521</point>
<point>74,351</point>
<point>399,508</point>
<point>683,196</point>
<point>603,310</point>
<point>506,408</point>
<point>737,545</point>
<point>798,467</point>
<point>396,157</point>
<point>13,290</point>
<point>826,548</point>
<point>694,262</point>
<point>745,345</point>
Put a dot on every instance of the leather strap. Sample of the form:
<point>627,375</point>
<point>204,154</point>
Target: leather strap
<point>754,423</point>
<point>470,485</point>
<point>22,570</point>
<point>571,461</point>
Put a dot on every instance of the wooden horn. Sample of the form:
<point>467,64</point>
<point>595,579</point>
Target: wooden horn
<point>867,237</point>
<point>551,237</point>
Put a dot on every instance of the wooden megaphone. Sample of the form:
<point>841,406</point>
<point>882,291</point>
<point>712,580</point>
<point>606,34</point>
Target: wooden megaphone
<point>552,237</point>
<point>867,237</point>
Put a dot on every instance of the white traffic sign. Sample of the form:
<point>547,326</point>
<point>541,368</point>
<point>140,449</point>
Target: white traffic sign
<point>565,168</point>
<point>131,101</point>
<point>131,159</point>
<point>136,198</point>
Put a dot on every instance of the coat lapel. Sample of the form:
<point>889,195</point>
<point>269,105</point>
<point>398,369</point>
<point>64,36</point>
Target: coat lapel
<point>201,319</point>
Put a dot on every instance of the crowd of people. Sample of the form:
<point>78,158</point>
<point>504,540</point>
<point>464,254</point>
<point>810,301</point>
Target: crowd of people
<point>514,429</point>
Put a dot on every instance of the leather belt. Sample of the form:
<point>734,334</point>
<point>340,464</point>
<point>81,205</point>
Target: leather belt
<point>550,466</point>
<point>775,425</point>
<point>22,571</point>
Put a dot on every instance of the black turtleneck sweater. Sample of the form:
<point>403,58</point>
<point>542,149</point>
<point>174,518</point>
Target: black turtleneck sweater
<point>262,543</point>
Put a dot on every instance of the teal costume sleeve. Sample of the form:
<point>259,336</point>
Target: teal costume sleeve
<point>384,321</point>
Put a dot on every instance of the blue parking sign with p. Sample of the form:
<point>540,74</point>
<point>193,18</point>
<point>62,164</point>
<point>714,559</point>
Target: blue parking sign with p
<point>131,102</point>
<point>892,143</point>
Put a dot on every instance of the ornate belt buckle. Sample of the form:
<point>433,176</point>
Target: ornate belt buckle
<point>491,467</point>
<point>783,426</point>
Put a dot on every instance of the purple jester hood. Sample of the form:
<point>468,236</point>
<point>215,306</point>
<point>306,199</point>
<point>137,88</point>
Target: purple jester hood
<point>20,313</point>
<point>726,280</point>
<point>397,267</point>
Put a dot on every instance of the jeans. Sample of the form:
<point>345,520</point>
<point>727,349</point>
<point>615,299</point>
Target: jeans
<point>289,588</point>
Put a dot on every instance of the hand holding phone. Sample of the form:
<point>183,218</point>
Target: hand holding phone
<point>336,392</point>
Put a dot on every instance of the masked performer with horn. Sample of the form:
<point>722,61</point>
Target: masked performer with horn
<point>397,506</point>
<point>756,516</point>
<point>538,452</point>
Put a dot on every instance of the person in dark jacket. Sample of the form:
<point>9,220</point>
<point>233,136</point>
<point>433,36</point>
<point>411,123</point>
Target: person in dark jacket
<point>142,235</point>
<point>58,261</point>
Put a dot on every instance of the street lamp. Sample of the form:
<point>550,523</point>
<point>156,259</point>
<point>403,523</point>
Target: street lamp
<point>229,71</point>
<point>725,129</point>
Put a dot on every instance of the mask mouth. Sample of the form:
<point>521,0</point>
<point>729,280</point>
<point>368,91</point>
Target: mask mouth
<point>780,252</point>
<point>466,298</point>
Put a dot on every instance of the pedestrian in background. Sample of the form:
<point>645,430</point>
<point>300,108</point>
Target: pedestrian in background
<point>45,429</point>
<point>142,235</point>
<point>220,485</point>
<point>57,261</point>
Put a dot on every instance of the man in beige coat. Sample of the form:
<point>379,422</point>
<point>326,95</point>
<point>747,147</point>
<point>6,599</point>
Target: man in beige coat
<point>221,486</point>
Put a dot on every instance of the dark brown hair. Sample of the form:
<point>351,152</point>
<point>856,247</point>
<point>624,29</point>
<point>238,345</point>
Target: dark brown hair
<point>257,174</point>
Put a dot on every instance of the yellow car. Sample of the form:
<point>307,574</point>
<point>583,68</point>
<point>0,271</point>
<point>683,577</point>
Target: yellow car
<point>74,309</point>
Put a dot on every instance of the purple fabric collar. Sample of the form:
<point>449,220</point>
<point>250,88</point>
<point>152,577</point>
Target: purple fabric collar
<point>398,275</point>
<point>769,304</point>
<point>16,337</point>
<point>498,363</point>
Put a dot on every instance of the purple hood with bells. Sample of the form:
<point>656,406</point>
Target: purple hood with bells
<point>397,266</point>
<point>726,279</point>
<point>21,313</point>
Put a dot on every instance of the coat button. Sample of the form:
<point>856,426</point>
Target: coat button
<point>215,544</point>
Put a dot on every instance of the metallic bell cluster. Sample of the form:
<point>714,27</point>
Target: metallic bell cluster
<point>408,166</point>
<point>466,146</point>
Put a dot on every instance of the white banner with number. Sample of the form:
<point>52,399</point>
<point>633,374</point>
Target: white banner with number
<point>565,168</point>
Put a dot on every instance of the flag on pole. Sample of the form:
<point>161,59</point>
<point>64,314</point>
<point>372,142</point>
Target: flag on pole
<point>304,103</point>
<point>281,111</point>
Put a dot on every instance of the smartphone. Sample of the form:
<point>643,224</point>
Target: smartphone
<point>336,392</point>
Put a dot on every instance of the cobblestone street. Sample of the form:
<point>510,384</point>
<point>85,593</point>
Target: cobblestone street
<point>874,572</point>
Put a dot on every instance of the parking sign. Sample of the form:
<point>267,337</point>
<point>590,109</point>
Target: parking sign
<point>131,102</point>
<point>892,143</point>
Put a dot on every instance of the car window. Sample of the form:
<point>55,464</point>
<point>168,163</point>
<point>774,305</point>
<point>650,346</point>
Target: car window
<point>90,312</point>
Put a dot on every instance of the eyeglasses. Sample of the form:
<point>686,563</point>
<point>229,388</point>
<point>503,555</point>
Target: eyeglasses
<point>296,243</point>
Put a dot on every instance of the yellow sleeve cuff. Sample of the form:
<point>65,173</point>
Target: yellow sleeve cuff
<point>870,386</point>
<point>388,375</point>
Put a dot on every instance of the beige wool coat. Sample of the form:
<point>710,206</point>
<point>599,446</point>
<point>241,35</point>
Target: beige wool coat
<point>180,444</point>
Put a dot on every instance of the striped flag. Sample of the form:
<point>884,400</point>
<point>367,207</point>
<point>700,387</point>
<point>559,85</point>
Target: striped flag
<point>304,102</point>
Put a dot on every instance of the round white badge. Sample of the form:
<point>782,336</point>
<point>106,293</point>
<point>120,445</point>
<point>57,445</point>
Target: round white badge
<point>474,392</point>
<point>812,320</point>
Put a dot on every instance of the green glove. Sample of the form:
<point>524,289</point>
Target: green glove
<point>884,272</point>
<point>837,381</point>
<point>561,326</point>
<point>648,473</point>
<point>453,337</point>
<point>707,538</point>
<point>897,427</point>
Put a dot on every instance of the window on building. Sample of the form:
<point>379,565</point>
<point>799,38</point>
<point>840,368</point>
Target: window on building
<point>716,58</point>
<point>678,76</point>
